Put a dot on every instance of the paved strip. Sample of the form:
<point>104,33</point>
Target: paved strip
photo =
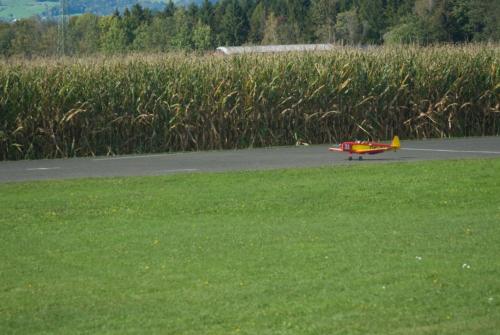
<point>459,151</point>
<point>127,157</point>
<point>232,160</point>
<point>43,168</point>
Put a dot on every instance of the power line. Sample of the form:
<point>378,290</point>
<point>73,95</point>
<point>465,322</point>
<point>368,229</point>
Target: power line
<point>62,27</point>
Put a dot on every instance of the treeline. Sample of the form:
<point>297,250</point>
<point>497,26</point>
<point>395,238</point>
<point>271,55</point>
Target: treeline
<point>238,22</point>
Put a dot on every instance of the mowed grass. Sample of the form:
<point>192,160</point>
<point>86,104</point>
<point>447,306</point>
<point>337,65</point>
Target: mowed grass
<point>387,249</point>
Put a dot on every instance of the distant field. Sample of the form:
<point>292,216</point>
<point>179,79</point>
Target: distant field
<point>17,9</point>
<point>386,249</point>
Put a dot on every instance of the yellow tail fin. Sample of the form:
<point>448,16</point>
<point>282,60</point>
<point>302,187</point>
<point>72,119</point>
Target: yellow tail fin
<point>395,143</point>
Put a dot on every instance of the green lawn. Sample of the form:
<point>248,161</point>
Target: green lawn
<point>381,249</point>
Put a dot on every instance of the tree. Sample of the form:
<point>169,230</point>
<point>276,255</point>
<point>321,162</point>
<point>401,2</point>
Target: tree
<point>84,32</point>
<point>169,9</point>
<point>432,19</point>
<point>233,24</point>
<point>297,26</point>
<point>271,35</point>
<point>206,13</point>
<point>396,11</point>
<point>6,36</point>
<point>484,20</point>
<point>257,23</point>
<point>140,15</point>
<point>48,40</point>
<point>371,14</point>
<point>348,28</point>
<point>129,25</point>
<point>27,37</point>
<point>323,14</point>
<point>182,36</point>
<point>202,36</point>
<point>410,32</point>
<point>155,36</point>
<point>113,36</point>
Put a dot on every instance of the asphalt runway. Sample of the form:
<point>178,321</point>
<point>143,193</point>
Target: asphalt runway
<point>237,160</point>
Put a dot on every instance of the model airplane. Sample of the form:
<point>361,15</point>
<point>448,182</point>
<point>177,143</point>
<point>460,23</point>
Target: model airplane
<point>371,148</point>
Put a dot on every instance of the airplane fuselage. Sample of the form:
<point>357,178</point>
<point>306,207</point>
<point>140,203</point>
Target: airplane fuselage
<point>362,148</point>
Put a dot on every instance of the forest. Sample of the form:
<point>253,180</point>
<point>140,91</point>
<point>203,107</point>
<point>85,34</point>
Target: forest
<point>204,26</point>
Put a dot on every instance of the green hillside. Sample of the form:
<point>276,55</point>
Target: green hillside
<point>11,10</point>
<point>17,9</point>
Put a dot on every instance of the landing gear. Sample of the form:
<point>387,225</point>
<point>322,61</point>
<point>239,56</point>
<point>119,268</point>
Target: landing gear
<point>350,158</point>
<point>360,158</point>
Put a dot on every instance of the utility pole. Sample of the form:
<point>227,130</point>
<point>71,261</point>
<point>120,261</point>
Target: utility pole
<point>62,27</point>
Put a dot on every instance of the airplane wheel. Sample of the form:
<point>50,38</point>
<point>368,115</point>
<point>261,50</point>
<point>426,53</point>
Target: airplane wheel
<point>350,158</point>
<point>360,158</point>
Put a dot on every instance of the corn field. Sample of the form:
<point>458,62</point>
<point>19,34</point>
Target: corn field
<point>163,103</point>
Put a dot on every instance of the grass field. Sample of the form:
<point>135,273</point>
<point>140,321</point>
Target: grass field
<point>387,249</point>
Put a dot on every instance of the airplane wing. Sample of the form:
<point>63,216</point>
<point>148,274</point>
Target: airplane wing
<point>367,151</point>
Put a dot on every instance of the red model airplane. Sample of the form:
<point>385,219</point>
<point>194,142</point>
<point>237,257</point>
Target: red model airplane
<point>371,148</point>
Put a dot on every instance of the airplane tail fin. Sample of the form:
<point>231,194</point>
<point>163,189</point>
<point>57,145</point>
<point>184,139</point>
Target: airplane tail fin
<point>395,143</point>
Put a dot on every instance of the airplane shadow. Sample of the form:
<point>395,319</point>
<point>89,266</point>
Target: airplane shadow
<point>382,159</point>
